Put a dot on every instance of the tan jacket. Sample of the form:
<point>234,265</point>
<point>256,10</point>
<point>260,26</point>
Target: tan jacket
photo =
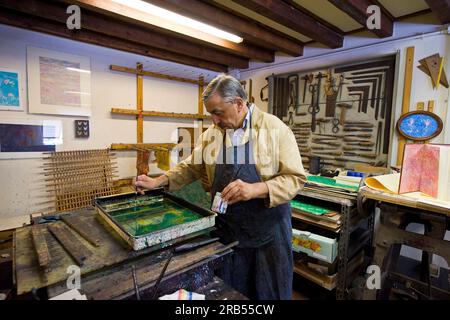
<point>277,158</point>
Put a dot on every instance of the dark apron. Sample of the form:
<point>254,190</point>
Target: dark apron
<point>261,266</point>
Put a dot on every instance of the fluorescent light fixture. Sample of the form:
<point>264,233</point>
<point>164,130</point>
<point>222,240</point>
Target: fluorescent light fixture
<point>78,70</point>
<point>179,19</point>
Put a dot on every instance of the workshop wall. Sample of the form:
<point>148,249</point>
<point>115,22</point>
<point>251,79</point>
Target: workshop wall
<point>19,191</point>
<point>425,37</point>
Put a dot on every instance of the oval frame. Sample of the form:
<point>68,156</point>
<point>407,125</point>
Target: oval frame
<point>422,112</point>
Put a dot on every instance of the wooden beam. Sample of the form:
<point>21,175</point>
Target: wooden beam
<point>316,17</point>
<point>441,8</point>
<point>140,104</point>
<point>101,24</point>
<point>160,114</point>
<point>132,16</point>
<point>357,9</point>
<point>409,65</point>
<point>212,13</point>
<point>16,19</point>
<point>290,17</point>
<point>134,146</point>
<point>153,74</point>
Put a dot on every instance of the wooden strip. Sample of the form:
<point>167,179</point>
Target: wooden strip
<point>85,230</point>
<point>40,245</point>
<point>133,146</point>
<point>153,74</point>
<point>200,103</point>
<point>406,99</point>
<point>160,114</point>
<point>70,243</point>
<point>140,104</point>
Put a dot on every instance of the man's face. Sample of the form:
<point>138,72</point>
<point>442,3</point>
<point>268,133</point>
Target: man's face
<point>226,115</point>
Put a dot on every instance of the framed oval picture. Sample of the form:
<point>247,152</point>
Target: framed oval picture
<point>419,125</point>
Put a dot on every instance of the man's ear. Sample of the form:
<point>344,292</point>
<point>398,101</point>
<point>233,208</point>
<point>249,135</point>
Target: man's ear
<point>240,104</point>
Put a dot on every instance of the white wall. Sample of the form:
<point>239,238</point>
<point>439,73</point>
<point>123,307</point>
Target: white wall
<point>21,179</point>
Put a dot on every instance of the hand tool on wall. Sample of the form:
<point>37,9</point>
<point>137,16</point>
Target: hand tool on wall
<point>365,97</point>
<point>322,148</point>
<point>379,131</point>
<point>359,123</point>
<point>338,153</point>
<point>362,144</point>
<point>356,149</point>
<point>307,78</point>
<point>363,155</point>
<point>335,123</point>
<point>331,91</point>
<point>261,92</point>
<point>355,139</point>
<point>361,135</point>
<point>357,130</point>
<point>344,107</point>
<point>433,66</point>
<point>328,135</point>
<point>315,103</point>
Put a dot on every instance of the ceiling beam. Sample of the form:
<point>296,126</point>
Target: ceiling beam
<point>16,19</point>
<point>316,17</point>
<point>94,22</point>
<point>296,20</point>
<point>441,8</point>
<point>136,17</point>
<point>357,9</point>
<point>251,32</point>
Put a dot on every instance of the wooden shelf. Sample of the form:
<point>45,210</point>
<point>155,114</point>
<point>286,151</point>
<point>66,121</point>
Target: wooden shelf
<point>325,281</point>
<point>317,221</point>
<point>160,114</point>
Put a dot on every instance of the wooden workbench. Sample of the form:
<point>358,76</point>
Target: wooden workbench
<point>401,200</point>
<point>396,213</point>
<point>106,272</point>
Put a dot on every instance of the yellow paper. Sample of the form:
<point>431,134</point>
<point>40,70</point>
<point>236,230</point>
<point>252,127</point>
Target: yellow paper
<point>163,159</point>
<point>386,182</point>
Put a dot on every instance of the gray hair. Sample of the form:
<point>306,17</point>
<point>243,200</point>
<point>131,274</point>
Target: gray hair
<point>226,87</point>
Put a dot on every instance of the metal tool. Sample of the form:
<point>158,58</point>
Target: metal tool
<point>357,130</point>
<point>335,123</point>
<point>307,78</point>
<point>136,289</point>
<point>378,145</point>
<point>364,155</point>
<point>344,107</point>
<point>315,103</point>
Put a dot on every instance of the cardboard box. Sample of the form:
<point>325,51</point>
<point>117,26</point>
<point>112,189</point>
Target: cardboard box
<point>314,245</point>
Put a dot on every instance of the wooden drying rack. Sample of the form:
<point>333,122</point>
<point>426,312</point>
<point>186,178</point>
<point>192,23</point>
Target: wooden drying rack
<point>141,147</point>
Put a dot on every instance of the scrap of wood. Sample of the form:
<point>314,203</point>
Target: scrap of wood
<point>83,228</point>
<point>40,245</point>
<point>70,243</point>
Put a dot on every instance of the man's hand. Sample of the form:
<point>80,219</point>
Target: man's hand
<point>144,182</point>
<point>239,190</point>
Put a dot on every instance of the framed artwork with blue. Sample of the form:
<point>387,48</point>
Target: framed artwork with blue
<point>10,90</point>
<point>419,125</point>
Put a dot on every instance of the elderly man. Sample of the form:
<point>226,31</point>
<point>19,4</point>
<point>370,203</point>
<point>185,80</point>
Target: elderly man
<point>252,160</point>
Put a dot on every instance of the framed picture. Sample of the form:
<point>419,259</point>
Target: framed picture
<point>419,125</point>
<point>28,138</point>
<point>11,94</point>
<point>58,83</point>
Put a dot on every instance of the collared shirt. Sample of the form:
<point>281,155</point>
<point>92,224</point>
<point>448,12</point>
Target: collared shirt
<point>277,158</point>
<point>238,134</point>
